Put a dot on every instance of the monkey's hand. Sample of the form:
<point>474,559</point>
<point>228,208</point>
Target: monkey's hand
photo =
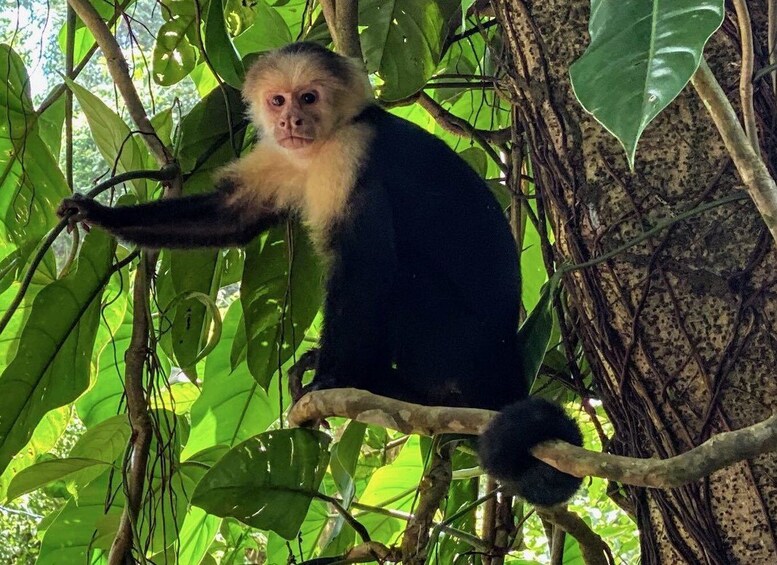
<point>79,208</point>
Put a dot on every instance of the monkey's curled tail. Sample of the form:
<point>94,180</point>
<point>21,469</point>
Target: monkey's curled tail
<point>504,450</point>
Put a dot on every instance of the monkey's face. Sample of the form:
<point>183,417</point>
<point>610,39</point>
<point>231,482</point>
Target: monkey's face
<point>299,100</point>
<point>295,116</point>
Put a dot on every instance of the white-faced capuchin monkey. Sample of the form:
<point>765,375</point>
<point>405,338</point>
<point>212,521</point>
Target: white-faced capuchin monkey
<point>422,293</point>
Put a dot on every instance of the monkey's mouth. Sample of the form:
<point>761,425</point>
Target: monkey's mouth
<point>295,142</point>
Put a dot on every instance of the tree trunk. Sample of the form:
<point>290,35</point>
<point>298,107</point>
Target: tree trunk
<point>681,329</point>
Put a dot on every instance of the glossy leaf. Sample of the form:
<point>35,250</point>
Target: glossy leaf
<point>401,40</point>
<point>43,439</point>
<point>112,136</point>
<point>45,472</point>
<point>31,183</point>
<point>268,31</point>
<point>232,406</point>
<point>218,46</point>
<point>267,481</point>
<point>535,332</point>
<point>84,527</point>
<point>54,346</point>
<point>205,129</point>
<point>393,486</point>
<point>174,56</point>
<point>278,308</point>
<point>642,54</point>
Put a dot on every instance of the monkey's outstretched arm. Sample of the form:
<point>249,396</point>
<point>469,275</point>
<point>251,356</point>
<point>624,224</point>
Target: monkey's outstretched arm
<point>203,220</point>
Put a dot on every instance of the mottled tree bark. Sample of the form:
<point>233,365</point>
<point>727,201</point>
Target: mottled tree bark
<point>681,330</point>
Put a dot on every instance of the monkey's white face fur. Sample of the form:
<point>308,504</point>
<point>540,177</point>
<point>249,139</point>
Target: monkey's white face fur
<point>310,148</point>
<point>298,103</point>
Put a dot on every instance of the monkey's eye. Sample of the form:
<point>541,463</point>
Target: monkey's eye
<point>309,97</point>
<point>277,100</point>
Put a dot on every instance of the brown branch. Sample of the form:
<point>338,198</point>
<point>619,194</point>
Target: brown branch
<point>347,22</point>
<point>714,454</point>
<point>433,488</point>
<point>459,126</point>
<point>592,547</point>
<point>370,552</point>
<point>137,353</point>
<point>751,168</point>
<point>746,73</point>
<point>119,71</point>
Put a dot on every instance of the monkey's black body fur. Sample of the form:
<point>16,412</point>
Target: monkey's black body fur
<point>422,297</point>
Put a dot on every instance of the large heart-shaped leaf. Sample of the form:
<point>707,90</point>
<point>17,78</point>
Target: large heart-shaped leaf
<point>642,54</point>
<point>267,481</point>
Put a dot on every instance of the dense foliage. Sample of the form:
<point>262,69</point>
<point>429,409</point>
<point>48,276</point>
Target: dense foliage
<point>226,482</point>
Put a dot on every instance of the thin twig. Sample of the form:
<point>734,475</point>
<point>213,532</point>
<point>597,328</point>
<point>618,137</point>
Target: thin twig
<point>592,547</point>
<point>746,73</point>
<point>459,126</point>
<point>751,168</point>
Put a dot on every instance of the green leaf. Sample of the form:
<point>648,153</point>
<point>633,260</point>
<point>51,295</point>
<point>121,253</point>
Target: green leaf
<point>267,481</point>
<point>535,332</point>
<point>393,486</point>
<point>31,183</point>
<point>232,406</point>
<point>43,439</point>
<point>45,472</point>
<point>268,31</point>
<point>278,309</point>
<point>345,455</point>
<point>112,136</point>
<point>105,441</point>
<point>401,40</point>
<point>206,129</point>
<point>84,527</point>
<point>84,40</point>
<point>50,125</point>
<point>174,56</point>
<point>52,364</point>
<point>218,46</point>
<point>195,276</point>
<point>104,399</point>
<point>642,54</point>
<point>196,535</point>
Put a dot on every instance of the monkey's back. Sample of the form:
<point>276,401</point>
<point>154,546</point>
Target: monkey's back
<point>455,293</point>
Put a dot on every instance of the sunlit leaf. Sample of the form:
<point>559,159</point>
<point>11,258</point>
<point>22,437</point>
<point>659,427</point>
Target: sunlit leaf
<point>45,472</point>
<point>112,136</point>
<point>173,57</point>
<point>232,406</point>
<point>31,183</point>
<point>393,486</point>
<point>268,31</point>
<point>43,439</point>
<point>52,346</point>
